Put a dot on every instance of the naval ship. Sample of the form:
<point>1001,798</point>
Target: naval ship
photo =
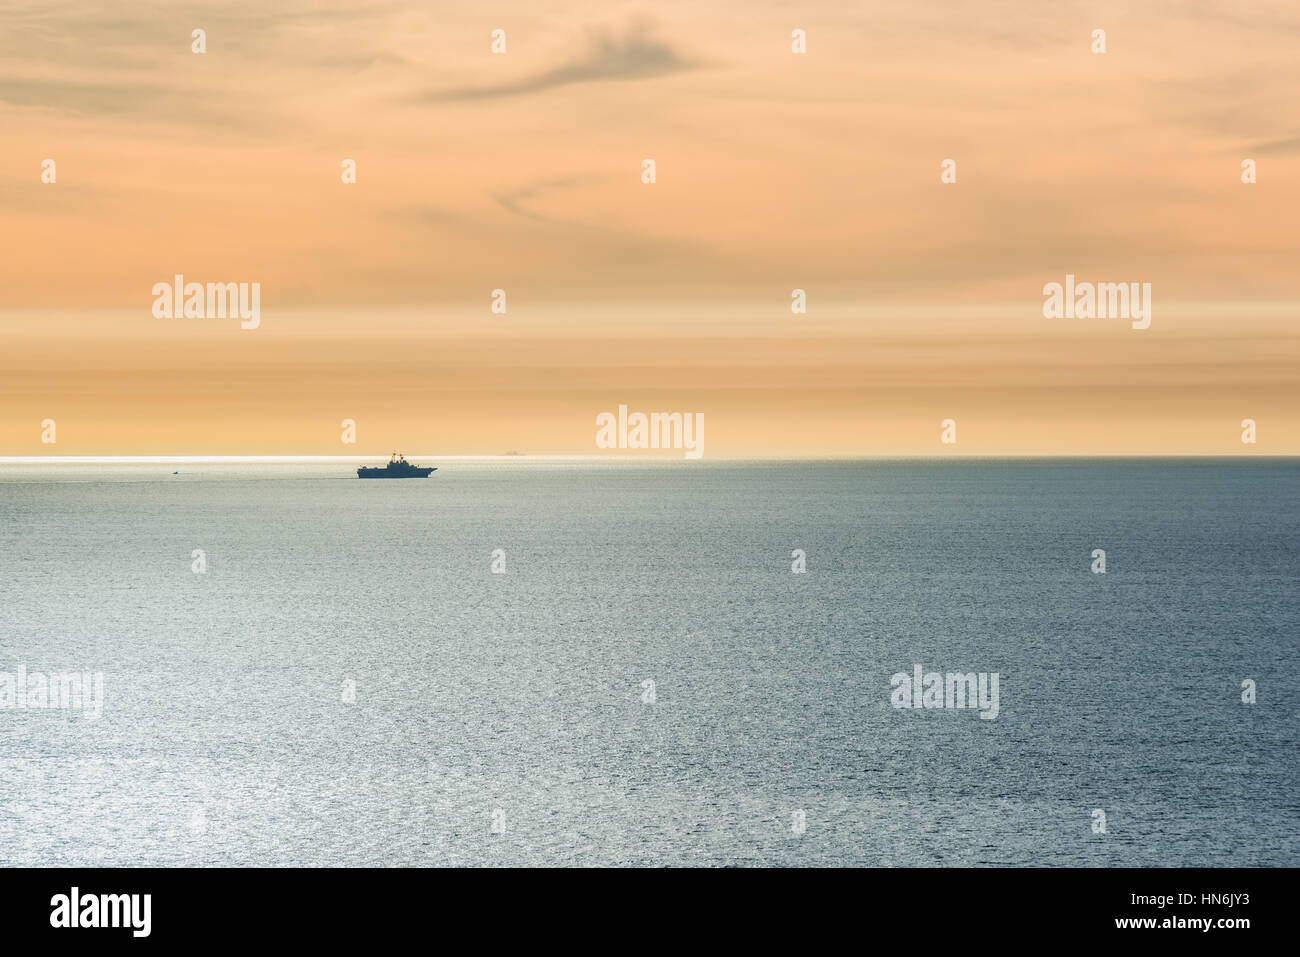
<point>397,467</point>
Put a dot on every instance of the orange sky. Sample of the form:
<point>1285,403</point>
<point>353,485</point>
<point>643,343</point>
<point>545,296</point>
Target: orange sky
<point>775,171</point>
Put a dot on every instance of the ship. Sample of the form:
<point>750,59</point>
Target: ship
<point>397,467</point>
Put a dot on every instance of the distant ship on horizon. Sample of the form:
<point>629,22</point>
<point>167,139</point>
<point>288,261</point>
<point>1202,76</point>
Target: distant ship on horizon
<point>397,467</point>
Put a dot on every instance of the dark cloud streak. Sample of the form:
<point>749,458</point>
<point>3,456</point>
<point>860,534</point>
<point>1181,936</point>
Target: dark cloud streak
<point>634,56</point>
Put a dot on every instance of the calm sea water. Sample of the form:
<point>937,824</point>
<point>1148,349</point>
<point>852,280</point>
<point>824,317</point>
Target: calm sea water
<point>225,740</point>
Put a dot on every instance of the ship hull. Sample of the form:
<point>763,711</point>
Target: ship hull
<point>366,473</point>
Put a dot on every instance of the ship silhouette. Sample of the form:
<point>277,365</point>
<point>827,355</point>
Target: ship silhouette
<point>397,467</point>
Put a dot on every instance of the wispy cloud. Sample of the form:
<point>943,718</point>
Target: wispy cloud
<point>636,55</point>
<point>514,201</point>
<point>1291,145</point>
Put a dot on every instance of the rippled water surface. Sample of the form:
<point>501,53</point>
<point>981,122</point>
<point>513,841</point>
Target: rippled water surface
<point>224,737</point>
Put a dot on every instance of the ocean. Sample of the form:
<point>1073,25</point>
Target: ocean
<point>299,668</point>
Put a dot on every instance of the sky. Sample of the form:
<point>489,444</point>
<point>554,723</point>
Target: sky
<point>775,171</point>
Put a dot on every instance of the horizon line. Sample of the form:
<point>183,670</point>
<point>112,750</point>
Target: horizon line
<point>659,459</point>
